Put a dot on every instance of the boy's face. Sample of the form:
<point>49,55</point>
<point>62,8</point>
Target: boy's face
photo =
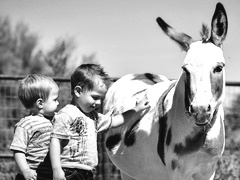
<point>90,100</point>
<point>50,104</point>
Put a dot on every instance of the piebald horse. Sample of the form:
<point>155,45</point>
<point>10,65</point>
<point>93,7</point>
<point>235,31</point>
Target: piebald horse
<point>181,137</point>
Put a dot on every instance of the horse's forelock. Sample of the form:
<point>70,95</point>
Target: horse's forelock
<point>205,33</point>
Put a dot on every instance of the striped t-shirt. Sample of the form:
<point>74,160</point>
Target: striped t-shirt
<point>32,137</point>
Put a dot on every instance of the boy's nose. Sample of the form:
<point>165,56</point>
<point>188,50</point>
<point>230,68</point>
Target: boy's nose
<point>98,102</point>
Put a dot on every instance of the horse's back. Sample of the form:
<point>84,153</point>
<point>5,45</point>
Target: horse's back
<point>122,95</point>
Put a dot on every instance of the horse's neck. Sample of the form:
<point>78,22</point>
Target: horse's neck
<point>175,99</point>
<point>178,119</point>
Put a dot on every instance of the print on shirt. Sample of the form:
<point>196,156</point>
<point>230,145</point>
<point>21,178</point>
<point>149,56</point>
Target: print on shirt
<point>79,126</point>
<point>78,145</point>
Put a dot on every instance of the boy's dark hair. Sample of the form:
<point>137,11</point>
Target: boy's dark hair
<point>84,74</point>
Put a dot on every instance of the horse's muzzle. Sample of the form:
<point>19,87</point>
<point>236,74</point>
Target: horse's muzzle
<point>201,114</point>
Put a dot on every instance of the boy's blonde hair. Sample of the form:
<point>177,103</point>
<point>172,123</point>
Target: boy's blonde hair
<point>33,87</point>
<point>84,76</point>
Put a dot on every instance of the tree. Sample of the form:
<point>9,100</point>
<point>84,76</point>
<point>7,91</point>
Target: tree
<point>16,48</point>
<point>24,43</point>
<point>59,55</point>
<point>7,58</point>
<point>89,59</point>
<point>18,53</point>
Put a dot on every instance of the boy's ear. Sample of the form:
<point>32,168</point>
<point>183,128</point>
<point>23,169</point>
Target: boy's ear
<point>39,103</point>
<point>78,90</point>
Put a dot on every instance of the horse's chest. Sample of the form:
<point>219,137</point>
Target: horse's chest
<point>214,147</point>
<point>215,139</point>
<point>195,160</point>
<point>197,151</point>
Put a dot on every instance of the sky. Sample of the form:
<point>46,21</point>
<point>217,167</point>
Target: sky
<point>124,34</point>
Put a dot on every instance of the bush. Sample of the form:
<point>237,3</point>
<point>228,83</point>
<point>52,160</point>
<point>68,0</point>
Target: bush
<point>8,169</point>
<point>229,166</point>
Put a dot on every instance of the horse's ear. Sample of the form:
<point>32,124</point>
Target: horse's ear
<point>182,39</point>
<point>219,25</point>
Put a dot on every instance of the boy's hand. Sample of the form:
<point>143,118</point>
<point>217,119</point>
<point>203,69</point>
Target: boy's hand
<point>58,175</point>
<point>29,174</point>
<point>104,122</point>
<point>142,104</point>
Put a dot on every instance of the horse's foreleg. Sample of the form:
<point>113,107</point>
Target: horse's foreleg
<point>204,177</point>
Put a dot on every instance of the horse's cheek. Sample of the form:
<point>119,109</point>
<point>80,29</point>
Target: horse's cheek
<point>217,84</point>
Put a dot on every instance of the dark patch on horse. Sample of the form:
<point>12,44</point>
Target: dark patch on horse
<point>147,78</point>
<point>187,91</point>
<point>139,92</point>
<point>169,136</point>
<point>162,135</point>
<point>163,126</point>
<point>151,77</point>
<point>192,143</point>
<point>217,83</point>
<point>174,164</point>
<point>130,136</point>
<point>113,141</point>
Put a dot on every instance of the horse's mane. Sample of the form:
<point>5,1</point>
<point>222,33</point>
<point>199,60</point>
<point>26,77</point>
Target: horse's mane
<point>204,33</point>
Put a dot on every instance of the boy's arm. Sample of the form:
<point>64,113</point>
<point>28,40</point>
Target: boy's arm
<point>120,119</point>
<point>117,120</point>
<point>22,164</point>
<point>55,149</point>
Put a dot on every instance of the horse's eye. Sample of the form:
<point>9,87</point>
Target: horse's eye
<point>218,69</point>
<point>186,71</point>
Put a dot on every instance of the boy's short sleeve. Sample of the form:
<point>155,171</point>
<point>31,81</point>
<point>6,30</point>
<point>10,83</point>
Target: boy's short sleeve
<point>104,122</point>
<point>20,140</point>
<point>61,126</point>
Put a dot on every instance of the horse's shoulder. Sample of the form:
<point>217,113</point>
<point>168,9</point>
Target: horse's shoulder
<point>158,91</point>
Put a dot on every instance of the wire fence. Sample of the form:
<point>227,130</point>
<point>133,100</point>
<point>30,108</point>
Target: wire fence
<point>11,111</point>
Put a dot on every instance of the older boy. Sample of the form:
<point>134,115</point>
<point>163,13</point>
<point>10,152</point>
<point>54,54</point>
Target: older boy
<point>73,147</point>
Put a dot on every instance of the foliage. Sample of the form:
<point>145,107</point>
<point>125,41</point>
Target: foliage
<point>8,169</point>
<point>89,59</point>
<point>58,56</point>
<point>20,54</point>
<point>16,47</point>
<point>229,165</point>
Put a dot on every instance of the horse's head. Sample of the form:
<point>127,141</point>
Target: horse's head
<point>203,69</point>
